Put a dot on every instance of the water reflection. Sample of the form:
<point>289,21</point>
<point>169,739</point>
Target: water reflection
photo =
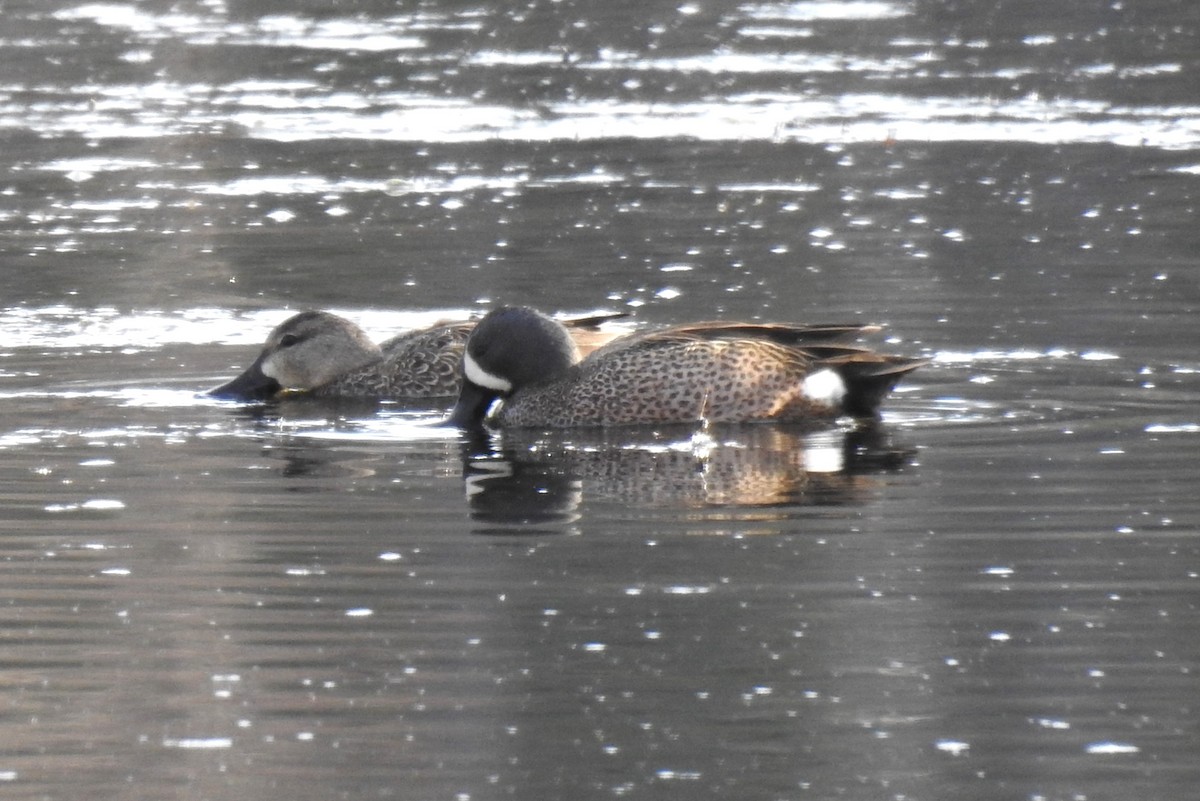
<point>523,482</point>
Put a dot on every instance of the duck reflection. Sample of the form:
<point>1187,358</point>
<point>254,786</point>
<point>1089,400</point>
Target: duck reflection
<point>309,436</point>
<point>527,482</point>
<point>521,495</point>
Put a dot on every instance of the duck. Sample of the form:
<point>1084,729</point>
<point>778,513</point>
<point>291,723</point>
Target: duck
<point>706,372</point>
<point>324,355</point>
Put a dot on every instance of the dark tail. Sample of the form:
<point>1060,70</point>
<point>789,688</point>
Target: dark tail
<point>870,377</point>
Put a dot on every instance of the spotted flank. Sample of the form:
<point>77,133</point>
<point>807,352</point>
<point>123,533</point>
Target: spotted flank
<point>714,372</point>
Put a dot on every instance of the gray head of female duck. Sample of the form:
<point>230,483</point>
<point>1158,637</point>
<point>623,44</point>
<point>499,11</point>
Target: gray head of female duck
<point>303,352</point>
<point>511,347</point>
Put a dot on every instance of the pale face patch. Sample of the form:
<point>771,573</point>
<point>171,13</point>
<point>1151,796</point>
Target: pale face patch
<point>825,387</point>
<point>480,377</point>
<point>288,374</point>
<point>268,369</point>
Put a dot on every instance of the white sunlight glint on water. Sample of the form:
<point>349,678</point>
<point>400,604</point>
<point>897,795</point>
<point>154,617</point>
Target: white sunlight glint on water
<point>845,118</point>
<point>815,10</point>
<point>70,328</point>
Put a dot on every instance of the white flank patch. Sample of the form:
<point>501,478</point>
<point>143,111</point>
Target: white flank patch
<point>824,386</point>
<point>480,377</point>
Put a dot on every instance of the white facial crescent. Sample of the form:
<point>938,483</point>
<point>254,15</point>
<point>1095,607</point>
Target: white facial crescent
<point>477,375</point>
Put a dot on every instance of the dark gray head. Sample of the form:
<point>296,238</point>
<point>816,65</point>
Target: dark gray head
<point>512,347</point>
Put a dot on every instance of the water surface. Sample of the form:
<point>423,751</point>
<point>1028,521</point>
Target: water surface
<point>994,597</point>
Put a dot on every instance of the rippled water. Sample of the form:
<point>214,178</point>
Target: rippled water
<point>993,597</point>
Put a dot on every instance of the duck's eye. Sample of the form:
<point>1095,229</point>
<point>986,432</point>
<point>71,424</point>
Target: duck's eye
<point>287,340</point>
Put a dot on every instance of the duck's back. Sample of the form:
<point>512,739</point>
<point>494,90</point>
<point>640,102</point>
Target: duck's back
<point>416,364</point>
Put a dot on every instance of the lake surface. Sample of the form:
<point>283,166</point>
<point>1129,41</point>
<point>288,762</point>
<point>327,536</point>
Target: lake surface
<point>993,597</point>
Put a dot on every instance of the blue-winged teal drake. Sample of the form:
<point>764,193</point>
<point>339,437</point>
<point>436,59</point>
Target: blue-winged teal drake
<point>324,355</point>
<point>712,371</point>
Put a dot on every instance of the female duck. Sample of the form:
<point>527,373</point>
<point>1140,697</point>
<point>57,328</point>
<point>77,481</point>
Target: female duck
<point>325,355</point>
<point>715,372</point>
